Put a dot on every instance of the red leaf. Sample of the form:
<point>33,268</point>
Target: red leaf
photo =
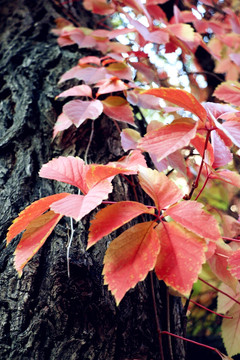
<point>114,216</point>
<point>159,187</point>
<point>229,92</point>
<point>78,111</point>
<point>98,173</point>
<point>181,257</point>
<point>130,164</point>
<point>129,258</point>
<point>191,215</point>
<point>118,108</point>
<point>34,237</point>
<point>181,98</point>
<point>169,138</point>
<point>31,212</point>
<point>77,206</point>
<point>199,143</point>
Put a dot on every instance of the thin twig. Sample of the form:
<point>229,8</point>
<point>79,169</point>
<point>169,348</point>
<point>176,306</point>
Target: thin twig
<point>193,342</point>
<point>156,316</point>
<point>222,292</point>
<point>89,142</point>
<point>69,246</point>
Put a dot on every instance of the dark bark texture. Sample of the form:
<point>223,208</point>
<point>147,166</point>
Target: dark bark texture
<point>45,314</point>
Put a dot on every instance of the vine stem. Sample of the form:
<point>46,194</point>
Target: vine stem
<point>205,183</point>
<point>205,308</point>
<point>230,239</point>
<point>195,183</point>
<point>222,292</point>
<point>156,317</point>
<point>193,342</point>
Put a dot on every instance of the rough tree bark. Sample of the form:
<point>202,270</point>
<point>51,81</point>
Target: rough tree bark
<point>45,314</point>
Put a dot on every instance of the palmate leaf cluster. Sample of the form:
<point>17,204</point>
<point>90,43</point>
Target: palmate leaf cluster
<point>188,228</point>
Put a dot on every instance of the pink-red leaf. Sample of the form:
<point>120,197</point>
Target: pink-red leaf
<point>71,170</point>
<point>219,264</point>
<point>181,98</point>
<point>114,216</point>
<point>222,154</point>
<point>191,215</point>
<point>62,123</point>
<point>234,263</point>
<point>79,90</point>
<point>113,84</point>
<point>129,258</point>
<point>78,110</point>
<point>229,92</point>
<point>89,74</point>
<point>34,237</point>
<point>77,206</point>
<point>118,108</point>
<point>159,187</point>
<point>181,257</point>
<point>169,138</point>
<point>129,139</point>
<point>31,212</point>
<point>226,175</point>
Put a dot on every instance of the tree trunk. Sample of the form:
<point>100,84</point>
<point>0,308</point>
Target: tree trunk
<point>45,314</point>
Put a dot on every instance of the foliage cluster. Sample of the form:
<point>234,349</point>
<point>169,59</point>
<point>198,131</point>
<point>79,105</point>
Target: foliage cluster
<point>194,142</point>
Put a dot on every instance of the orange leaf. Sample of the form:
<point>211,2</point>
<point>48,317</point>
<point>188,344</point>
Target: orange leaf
<point>114,216</point>
<point>159,187</point>
<point>34,237</point>
<point>32,212</point>
<point>181,98</point>
<point>181,257</point>
<point>169,138</point>
<point>130,257</point>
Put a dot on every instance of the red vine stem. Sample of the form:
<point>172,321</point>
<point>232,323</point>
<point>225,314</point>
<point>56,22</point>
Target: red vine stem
<point>231,239</point>
<point>222,292</point>
<point>205,308</point>
<point>193,342</point>
<point>205,183</point>
<point>195,183</point>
